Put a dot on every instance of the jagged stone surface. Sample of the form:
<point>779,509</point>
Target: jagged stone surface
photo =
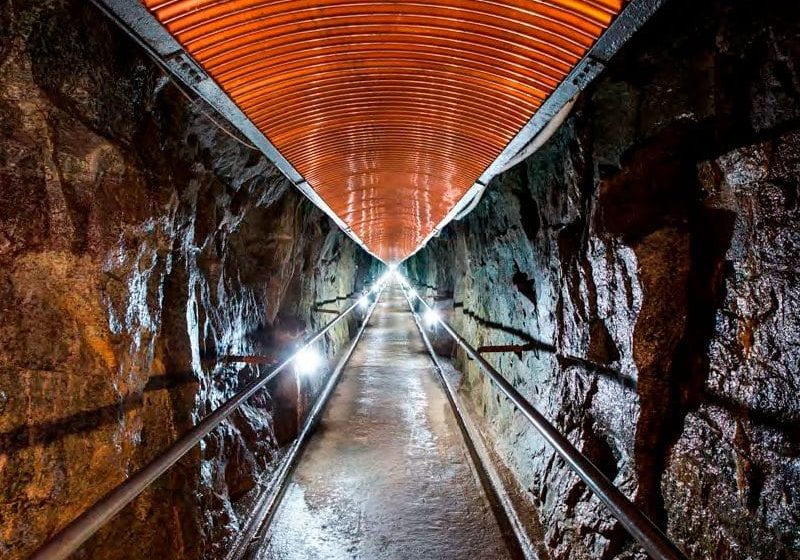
<point>138,245</point>
<point>649,250</point>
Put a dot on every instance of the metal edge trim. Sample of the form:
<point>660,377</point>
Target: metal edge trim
<point>455,211</point>
<point>624,26</point>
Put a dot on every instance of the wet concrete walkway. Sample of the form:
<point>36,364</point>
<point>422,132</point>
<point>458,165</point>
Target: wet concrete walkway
<point>387,474</point>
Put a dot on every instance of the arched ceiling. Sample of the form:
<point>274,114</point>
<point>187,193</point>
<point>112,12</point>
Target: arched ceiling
<point>390,110</point>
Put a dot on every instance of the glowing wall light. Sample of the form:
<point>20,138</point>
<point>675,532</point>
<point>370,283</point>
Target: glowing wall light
<point>431,318</point>
<point>307,361</point>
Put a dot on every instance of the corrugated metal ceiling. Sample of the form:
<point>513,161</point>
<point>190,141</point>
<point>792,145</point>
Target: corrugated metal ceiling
<point>389,109</point>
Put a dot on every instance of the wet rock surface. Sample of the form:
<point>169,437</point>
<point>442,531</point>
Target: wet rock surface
<point>647,257</point>
<point>139,246</point>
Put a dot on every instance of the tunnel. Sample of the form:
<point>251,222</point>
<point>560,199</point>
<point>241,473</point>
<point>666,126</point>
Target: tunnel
<point>399,279</point>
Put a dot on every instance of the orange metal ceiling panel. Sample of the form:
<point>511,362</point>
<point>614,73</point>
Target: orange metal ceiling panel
<point>389,109</point>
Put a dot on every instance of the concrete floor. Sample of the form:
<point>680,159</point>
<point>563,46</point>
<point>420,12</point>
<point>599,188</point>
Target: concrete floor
<point>387,473</point>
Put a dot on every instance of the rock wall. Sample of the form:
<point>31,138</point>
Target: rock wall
<point>646,260</point>
<point>140,244</point>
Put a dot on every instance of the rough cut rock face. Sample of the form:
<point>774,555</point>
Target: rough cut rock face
<point>139,246</point>
<point>650,251</point>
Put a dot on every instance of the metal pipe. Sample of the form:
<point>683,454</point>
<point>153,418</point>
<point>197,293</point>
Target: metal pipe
<point>647,534</point>
<point>476,198</point>
<point>71,537</point>
<point>527,151</point>
<point>540,139</point>
<point>267,504</point>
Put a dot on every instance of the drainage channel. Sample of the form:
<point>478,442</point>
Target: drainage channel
<point>249,540</point>
<point>502,503</point>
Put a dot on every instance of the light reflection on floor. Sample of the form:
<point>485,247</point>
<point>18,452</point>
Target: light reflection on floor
<point>386,474</point>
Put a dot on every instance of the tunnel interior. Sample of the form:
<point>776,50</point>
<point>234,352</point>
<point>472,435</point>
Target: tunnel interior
<point>635,278</point>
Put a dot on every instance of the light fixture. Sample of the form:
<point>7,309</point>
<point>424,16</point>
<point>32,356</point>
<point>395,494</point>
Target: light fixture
<point>431,317</point>
<point>382,280</point>
<point>307,361</point>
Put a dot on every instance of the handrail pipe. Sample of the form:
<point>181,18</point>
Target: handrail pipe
<point>71,537</point>
<point>640,527</point>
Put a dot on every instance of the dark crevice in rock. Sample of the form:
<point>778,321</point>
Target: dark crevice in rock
<point>710,240</point>
<point>601,349</point>
<point>525,286</point>
<point>528,208</point>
